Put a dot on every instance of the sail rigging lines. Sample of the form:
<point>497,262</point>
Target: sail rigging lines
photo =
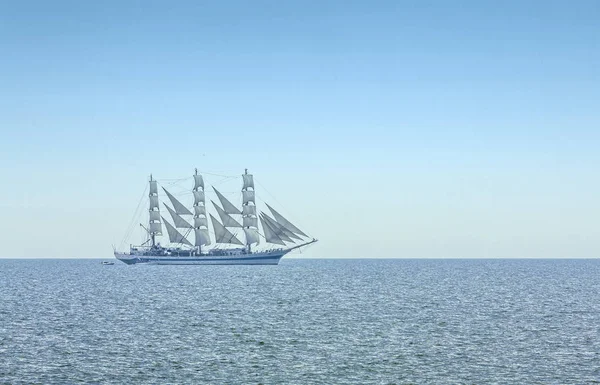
<point>178,206</point>
<point>226,219</point>
<point>281,231</point>
<point>178,221</point>
<point>228,207</point>
<point>270,235</point>
<point>285,223</point>
<point>230,219</point>
<point>174,235</point>
<point>270,195</point>
<point>222,235</point>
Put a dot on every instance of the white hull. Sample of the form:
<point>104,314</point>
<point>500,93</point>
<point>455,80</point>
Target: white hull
<point>267,258</point>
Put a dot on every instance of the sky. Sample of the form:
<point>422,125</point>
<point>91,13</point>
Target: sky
<point>405,129</point>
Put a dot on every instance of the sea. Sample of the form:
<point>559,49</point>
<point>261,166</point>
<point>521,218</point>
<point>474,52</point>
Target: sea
<point>327,321</point>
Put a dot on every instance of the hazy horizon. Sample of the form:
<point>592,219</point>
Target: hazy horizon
<point>384,129</point>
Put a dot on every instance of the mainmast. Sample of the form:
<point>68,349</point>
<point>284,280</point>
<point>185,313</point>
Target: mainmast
<point>249,217</point>
<point>154,224</point>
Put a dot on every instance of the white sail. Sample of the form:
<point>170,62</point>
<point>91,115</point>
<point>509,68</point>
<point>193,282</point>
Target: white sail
<point>200,221</point>
<point>251,236</point>
<point>155,228</point>
<point>199,210</point>
<point>250,222</point>
<point>178,206</point>
<point>287,224</point>
<point>202,237</point>
<point>270,235</point>
<point>179,222</point>
<point>248,181</point>
<point>199,197</point>
<point>248,196</point>
<point>227,219</point>
<point>288,232</point>
<point>174,235</point>
<point>228,207</point>
<point>154,215</point>
<point>198,182</point>
<point>278,229</point>
<point>153,188</point>
<point>249,210</point>
<point>249,219</point>
<point>222,235</point>
<point>153,202</point>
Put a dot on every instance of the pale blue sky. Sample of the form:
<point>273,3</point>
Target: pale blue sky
<point>385,128</point>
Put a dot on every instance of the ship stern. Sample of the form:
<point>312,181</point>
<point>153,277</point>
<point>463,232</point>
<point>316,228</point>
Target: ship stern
<point>126,258</point>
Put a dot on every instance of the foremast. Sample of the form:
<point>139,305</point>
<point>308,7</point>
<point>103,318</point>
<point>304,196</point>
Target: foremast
<point>249,217</point>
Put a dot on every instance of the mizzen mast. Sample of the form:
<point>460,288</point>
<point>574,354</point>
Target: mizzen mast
<point>154,224</point>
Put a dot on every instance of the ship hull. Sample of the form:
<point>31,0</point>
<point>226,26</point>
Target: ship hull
<point>239,259</point>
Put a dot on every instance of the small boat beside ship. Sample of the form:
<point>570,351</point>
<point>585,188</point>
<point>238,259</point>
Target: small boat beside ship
<point>239,234</point>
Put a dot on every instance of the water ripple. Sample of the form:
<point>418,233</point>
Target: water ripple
<point>319,321</point>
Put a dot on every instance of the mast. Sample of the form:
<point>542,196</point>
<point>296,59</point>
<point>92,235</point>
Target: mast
<point>154,224</point>
<point>200,218</point>
<point>249,217</point>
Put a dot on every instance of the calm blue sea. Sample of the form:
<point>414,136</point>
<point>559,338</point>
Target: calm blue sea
<point>302,322</point>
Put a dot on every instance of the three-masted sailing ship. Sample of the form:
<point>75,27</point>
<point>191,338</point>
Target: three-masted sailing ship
<point>233,223</point>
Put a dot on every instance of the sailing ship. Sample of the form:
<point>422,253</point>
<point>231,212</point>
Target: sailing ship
<point>277,232</point>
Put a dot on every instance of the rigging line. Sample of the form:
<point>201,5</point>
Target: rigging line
<point>225,176</point>
<point>163,185</point>
<point>181,193</point>
<point>135,215</point>
<point>182,238</point>
<point>221,181</point>
<point>173,181</point>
